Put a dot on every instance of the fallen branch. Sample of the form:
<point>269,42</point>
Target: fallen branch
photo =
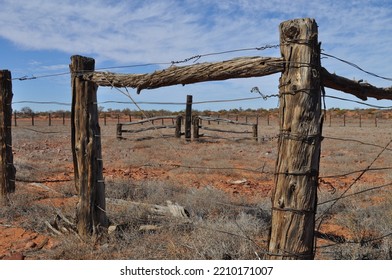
<point>170,210</point>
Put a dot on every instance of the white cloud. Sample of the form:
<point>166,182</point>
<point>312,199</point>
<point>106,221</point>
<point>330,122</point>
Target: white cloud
<point>126,32</point>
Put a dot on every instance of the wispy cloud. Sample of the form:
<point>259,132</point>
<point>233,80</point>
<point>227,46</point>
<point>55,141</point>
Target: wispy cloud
<point>124,32</point>
<point>130,31</point>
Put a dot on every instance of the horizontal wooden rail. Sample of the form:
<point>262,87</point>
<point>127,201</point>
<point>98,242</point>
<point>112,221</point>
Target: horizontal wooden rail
<point>224,131</point>
<point>177,126</point>
<point>197,127</point>
<point>213,119</point>
<point>147,128</point>
<point>243,67</point>
<point>359,89</point>
<point>151,120</point>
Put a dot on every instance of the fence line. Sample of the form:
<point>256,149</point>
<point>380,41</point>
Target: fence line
<point>361,171</point>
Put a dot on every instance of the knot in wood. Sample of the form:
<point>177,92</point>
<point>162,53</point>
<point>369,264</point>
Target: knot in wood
<point>281,202</point>
<point>292,32</point>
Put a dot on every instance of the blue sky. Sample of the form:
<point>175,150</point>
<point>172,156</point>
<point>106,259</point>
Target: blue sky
<point>38,38</point>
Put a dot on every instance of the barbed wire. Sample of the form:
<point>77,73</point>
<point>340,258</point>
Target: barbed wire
<point>356,193</point>
<point>323,214</point>
<point>356,66</point>
<point>194,57</point>
<point>359,102</point>
<point>197,57</point>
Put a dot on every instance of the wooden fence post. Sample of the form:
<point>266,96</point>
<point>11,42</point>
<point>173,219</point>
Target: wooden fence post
<point>196,121</point>
<point>188,117</point>
<point>178,126</point>
<point>119,131</point>
<point>32,119</point>
<point>15,122</point>
<point>294,198</point>
<point>7,169</point>
<point>50,119</point>
<point>86,150</point>
<point>254,130</point>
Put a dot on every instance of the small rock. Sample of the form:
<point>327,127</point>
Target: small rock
<point>30,245</point>
<point>238,182</point>
<point>111,229</point>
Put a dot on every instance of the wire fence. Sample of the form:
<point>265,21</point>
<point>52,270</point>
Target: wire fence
<point>352,173</point>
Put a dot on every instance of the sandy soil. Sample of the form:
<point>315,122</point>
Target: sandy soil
<point>42,156</point>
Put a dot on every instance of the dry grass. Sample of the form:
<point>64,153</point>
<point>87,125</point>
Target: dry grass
<point>227,221</point>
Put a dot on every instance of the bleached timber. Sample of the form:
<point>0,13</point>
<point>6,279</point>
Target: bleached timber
<point>244,67</point>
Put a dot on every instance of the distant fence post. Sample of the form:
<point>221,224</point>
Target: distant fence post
<point>50,119</point>
<point>15,122</point>
<point>7,169</point>
<point>196,123</point>
<point>254,130</point>
<point>294,199</point>
<point>178,126</point>
<point>86,149</point>
<point>32,119</point>
<point>188,117</point>
<point>119,131</point>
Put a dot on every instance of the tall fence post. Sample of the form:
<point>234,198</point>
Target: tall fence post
<point>7,169</point>
<point>86,150</point>
<point>294,199</point>
<point>188,117</point>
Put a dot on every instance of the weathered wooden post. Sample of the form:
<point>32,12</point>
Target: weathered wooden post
<point>188,118</point>
<point>119,131</point>
<point>15,122</point>
<point>50,119</point>
<point>254,132</point>
<point>32,119</point>
<point>86,149</point>
<point>196,121</point>
<point>294,198</point>
<point>7,169</point>
<point>178,126</point>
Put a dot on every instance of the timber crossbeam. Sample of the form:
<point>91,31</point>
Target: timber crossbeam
<point>243,67</point>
